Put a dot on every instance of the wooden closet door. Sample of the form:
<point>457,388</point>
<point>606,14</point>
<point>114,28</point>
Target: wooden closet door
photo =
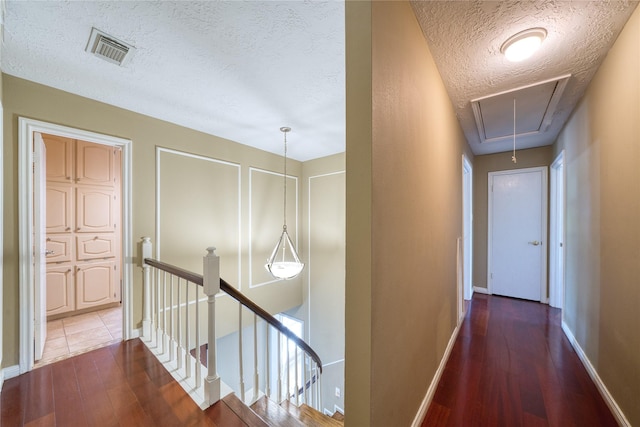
<point>94,210</point>
<point>59,208</point>
<point>59,158</point>
<point>60,289</point>
<point>94,165</point>
<point>59,248</point>
<point>95,284</point>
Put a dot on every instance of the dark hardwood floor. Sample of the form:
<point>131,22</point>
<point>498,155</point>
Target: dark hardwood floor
<point>119,385</point>
<point>511,365</point>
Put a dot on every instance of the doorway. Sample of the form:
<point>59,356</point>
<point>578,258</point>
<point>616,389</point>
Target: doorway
<point>556,232</point>
<point>30,259</point>
<point>467,227</point>
<point>517,230</point>
<point>78,307</point>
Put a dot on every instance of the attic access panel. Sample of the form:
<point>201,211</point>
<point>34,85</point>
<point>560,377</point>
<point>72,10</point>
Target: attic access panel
<point>535,106</point>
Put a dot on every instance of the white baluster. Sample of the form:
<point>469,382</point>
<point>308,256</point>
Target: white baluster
<point>288,372</point>
<point>256,391</point>
<point>197,352</point>
<point>319,389</point>
<point>172,338</point>
<point>163,319</point>
<point>146,277</point>
<point>187,338</point>
<point>304,384</point>
<point>179,328</point>
<point>240,352</point>
<point>211,286</point>
<point>267,387</point>
<point>157,315</point>
<point>297,391</point>
<point>279,363</point>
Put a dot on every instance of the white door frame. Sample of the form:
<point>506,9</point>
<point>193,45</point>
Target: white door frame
<point>26,129</point>
<point>1,241</point>
<point>467,226</point>
<point>557,232</point>
<point>544,298</point>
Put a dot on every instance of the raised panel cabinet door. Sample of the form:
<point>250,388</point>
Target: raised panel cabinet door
<point>96,246</point>
<point>59,158</point>
<point>94,164</point>
<point>59,248</point>
<point>94,209</point>
<point>95,284</point>
<point>59,208</point>
<point>60,290</point>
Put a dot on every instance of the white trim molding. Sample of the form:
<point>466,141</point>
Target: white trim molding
<point>26,129</point>
<point>10,372</point>
<point>431,391</point>
<point>159,151</point>
<point>604,392</point>
<point>481,290</point>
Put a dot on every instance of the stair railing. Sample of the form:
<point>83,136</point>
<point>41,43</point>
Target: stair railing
<point>171,326</point>
<point>172,331</point>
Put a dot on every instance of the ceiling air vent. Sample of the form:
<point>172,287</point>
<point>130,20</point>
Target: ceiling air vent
<point>108,48</point>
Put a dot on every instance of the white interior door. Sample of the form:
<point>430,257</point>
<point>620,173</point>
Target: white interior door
<point>40,262</point>
<point>517,233</point>
<point>556,236</point>
<point>467,227</point>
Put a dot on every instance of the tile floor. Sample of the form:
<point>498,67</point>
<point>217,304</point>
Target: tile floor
<point>78,334</point>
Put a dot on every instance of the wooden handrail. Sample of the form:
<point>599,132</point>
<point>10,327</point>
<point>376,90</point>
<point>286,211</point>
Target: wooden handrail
<point>242,299</point>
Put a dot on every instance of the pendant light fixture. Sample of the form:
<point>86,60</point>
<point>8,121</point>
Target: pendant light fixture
<point>284,262</point>
<point>513,158</point>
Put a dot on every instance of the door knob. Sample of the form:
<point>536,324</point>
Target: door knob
<point>535,243</point>
<point>49,252</point>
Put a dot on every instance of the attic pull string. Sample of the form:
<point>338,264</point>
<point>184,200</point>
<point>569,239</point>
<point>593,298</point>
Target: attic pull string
<point>513,157</point>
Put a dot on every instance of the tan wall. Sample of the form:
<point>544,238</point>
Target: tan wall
<point>404,151</point>
<point>482,165</point>
<point>188,186</point>
<point>602,151</point>
<point>2,197</point>
<point>323,210</point>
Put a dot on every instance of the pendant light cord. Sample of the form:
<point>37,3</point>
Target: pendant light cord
<point>513,158</point>
<point>284,227</point>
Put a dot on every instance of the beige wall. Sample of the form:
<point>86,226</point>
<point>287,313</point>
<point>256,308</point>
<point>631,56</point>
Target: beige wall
<point>482,165</point>
<point>602,151</point>
<point>323,225</point>
<point>2,197</point>
<point>404,215</point>
<point>188,185</point>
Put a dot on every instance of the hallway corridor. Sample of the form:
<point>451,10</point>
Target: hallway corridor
<point>512,366</point>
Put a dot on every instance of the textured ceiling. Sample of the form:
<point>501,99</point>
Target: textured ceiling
<point>242,69</point>
<point>236,69</point>
<point>465,39</point>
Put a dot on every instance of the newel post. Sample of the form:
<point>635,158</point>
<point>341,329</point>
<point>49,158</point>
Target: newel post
<point>146,281</point>
<point>211,285</point>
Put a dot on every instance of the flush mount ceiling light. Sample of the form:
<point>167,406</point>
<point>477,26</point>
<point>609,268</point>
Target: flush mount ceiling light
<point>522,45</point>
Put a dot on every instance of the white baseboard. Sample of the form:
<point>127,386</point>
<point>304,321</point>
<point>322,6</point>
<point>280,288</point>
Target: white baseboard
<point>480,290</point>
<point>424,406</point>
<point>136,333</point>
<point>10,372</point>
<point>611,403</point>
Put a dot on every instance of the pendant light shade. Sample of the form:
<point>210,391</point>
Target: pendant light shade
<point>284,262</point>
